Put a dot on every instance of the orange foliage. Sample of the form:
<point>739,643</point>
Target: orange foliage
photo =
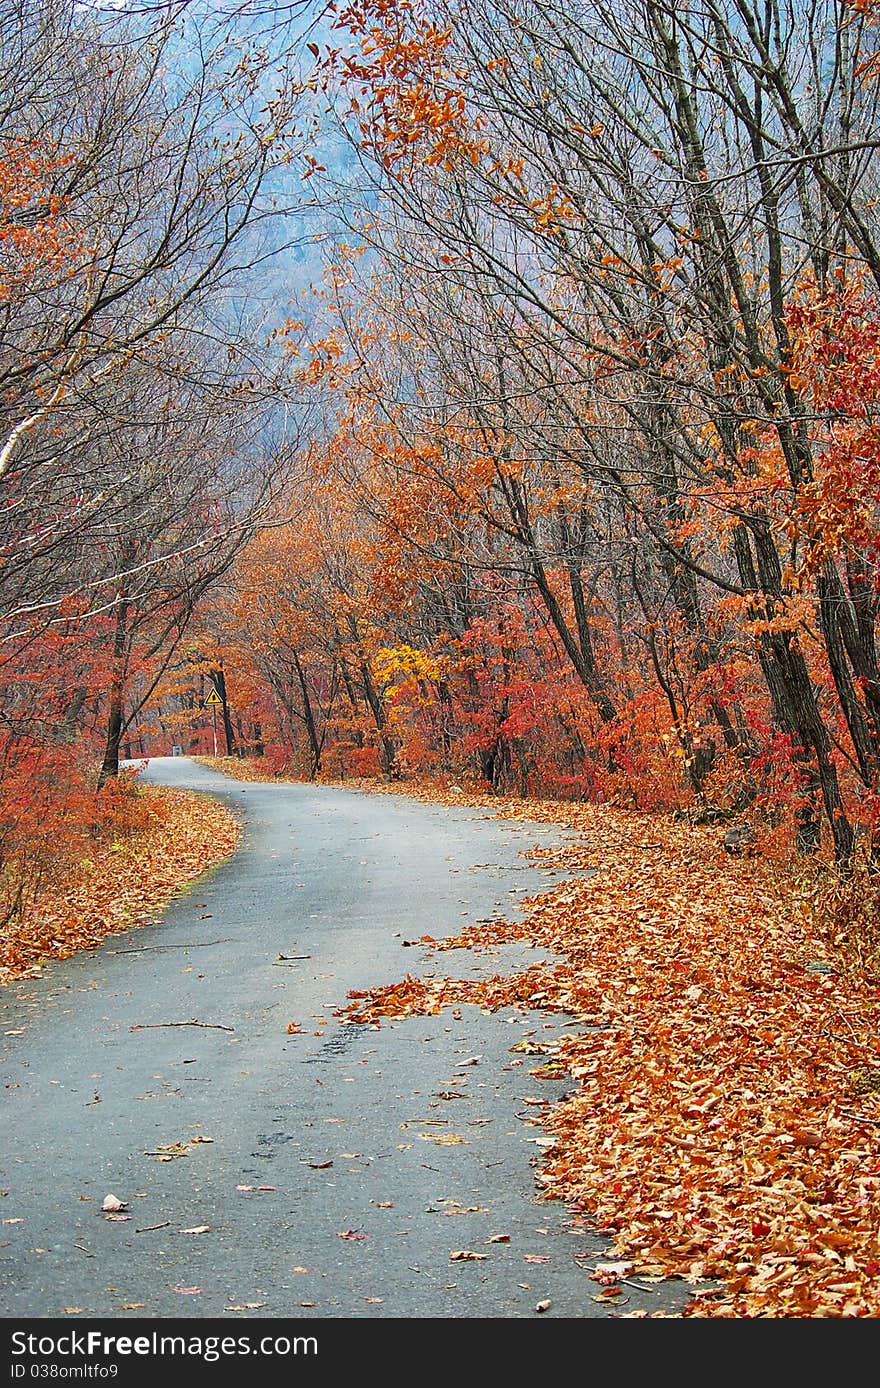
<point>143,847</point>
<point>836,365</point>
<point>408,100</point>
<point>35,240</point>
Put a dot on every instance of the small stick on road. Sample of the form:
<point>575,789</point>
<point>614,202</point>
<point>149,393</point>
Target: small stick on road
<point>148,1229</point>
<point>210,1026</point>
<point>87,1252</point>
<point>197,944</point>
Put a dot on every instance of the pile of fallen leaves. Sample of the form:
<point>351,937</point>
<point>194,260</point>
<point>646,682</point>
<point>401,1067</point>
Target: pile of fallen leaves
<point>126,881</point>
<point>725,1119</point>
<point>258,769</point>
<point>269,770</point>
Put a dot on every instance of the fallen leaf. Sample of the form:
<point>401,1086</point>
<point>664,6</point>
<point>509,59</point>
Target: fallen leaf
<point>197,1229</point>
<point>543,1306</point>
<point>319,1165</point>
<point>454,1208</point>
<point>609,1273</point>
<point>467,1255</point>
<point>499,1238</point>
<point>112,1204</point>
<point>535,1258</point>
<point>352,1234</point>
<point>243,1306</point>
<point>187,1291</point>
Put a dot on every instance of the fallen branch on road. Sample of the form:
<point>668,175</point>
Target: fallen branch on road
<point>209,1026</point>
<point>198,944</point>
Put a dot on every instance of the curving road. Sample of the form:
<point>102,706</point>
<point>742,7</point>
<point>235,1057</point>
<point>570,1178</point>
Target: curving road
<point>336,1131</point>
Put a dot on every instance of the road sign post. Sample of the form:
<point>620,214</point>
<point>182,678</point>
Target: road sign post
<point>213,702</point>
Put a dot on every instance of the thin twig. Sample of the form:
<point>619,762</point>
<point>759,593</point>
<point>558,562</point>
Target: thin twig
<point>848,1023</point>
<point>282,958</point>
<point>198,944</point>
<point>210,1026</point>
<point>149,1228</point>
<point>87,1252</point>
<point>860,1117</point>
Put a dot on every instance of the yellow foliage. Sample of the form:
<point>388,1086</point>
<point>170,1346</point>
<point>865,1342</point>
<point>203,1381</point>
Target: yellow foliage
<point>391,662</point>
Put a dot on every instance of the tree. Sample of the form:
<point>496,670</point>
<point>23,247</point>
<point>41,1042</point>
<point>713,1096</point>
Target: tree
<point>636,193</point>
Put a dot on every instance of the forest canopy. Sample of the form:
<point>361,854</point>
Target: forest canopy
<point>484,393</point>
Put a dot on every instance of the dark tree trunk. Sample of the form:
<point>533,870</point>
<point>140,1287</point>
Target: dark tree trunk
<point>110,764</point>
<point>219,680</point>
<point>316,741</point>
<point>793,698</point>
<point>68,728</point>
<point>387,746</point>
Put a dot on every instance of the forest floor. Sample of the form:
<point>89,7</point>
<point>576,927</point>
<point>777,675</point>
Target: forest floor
<point>125,881</point>
<point>725,1121</point>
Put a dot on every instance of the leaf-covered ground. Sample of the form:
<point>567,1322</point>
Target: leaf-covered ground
<point>124,883</point>
<point>257,769</point>
<point>725,1118</point>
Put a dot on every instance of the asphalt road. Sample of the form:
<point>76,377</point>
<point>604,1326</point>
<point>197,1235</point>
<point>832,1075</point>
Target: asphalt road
<point>337,1131</point>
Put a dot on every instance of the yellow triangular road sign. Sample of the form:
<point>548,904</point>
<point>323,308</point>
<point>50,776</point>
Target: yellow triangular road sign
<point>213,700</point>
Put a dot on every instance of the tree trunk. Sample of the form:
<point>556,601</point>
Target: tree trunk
<point>119,670</point>
<point>316,742</point>
<point>219,681</point>
<point>387,746</point>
